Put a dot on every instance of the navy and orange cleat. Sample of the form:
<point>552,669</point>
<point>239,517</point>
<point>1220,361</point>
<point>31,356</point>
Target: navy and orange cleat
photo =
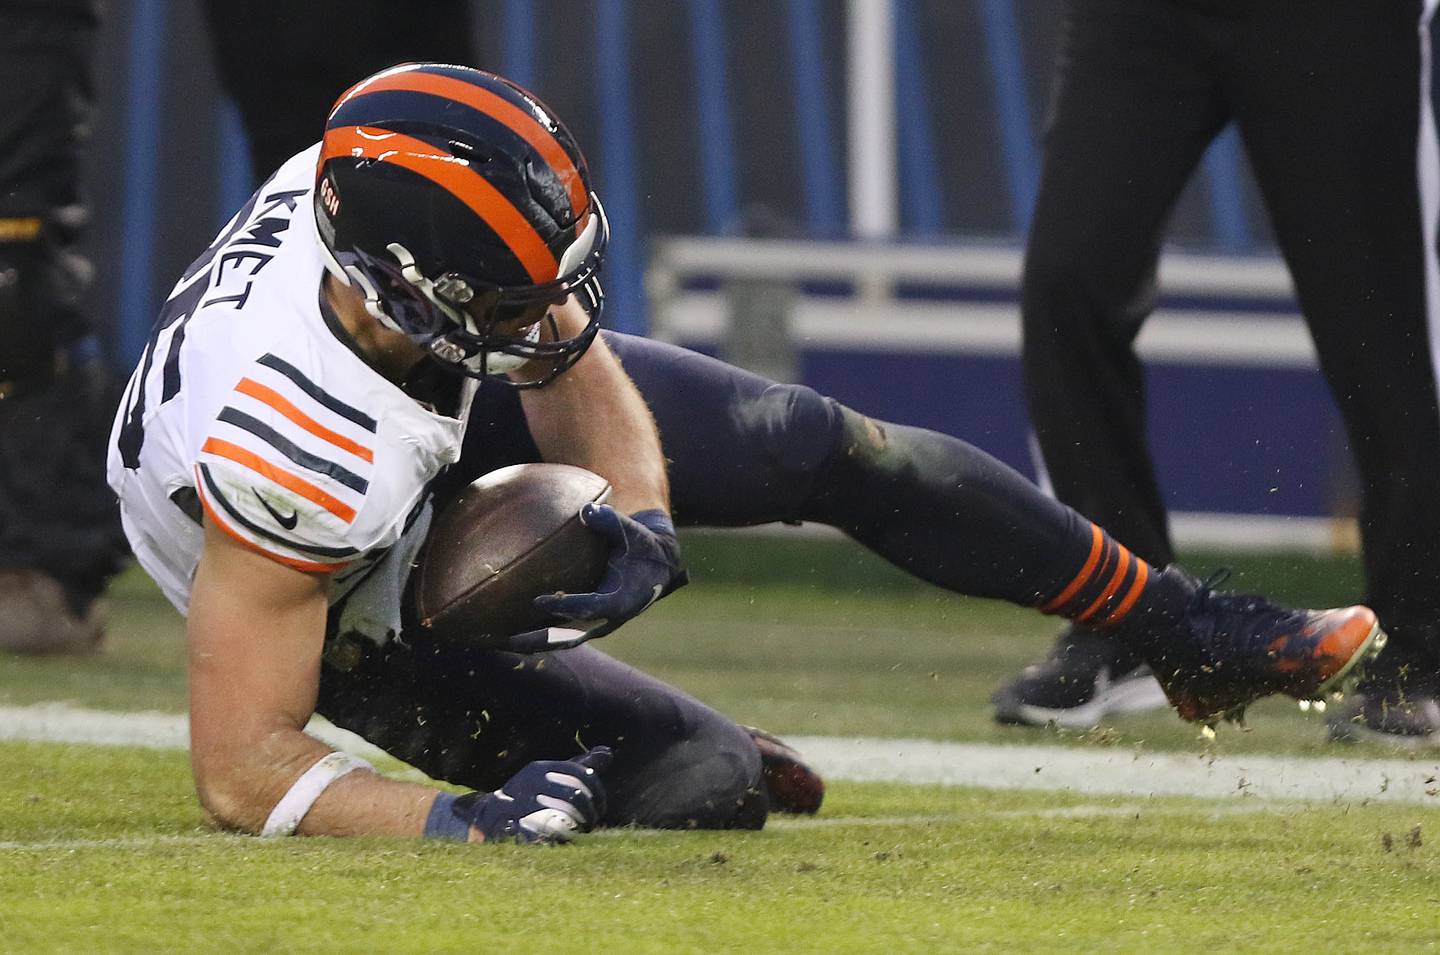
<point>1230,649</point>
<point>793,786</point>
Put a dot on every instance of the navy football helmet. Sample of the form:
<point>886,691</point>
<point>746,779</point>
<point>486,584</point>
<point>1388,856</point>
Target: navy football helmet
<point>460,208</point>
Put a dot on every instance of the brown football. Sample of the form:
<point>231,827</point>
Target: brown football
<point>507,538</point>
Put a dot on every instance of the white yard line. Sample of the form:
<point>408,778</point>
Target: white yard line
<point>1096,771</point>
<point>1091,771</point>
<point>783,823</point>
<point>117,842</point>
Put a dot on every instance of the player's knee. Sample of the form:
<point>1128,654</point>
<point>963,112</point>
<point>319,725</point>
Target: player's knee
<point>875,461</point>
<point>728,792</point>
<point>867,446</point>
<point>710,779</point>
<point>798,427</point>
<point>1065,264</point>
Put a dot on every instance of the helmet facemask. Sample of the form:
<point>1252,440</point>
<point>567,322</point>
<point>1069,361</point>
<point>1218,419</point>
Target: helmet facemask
<point>459,207</point>
<point>480,329</point>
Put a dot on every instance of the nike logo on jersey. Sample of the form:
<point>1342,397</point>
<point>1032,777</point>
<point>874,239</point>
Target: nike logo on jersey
<point>287,521</point>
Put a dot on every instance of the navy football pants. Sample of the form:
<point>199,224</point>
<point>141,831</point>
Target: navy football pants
<point>743,450</point>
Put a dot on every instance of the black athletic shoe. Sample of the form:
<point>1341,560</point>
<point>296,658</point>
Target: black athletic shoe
<point>1392,707</point>
<point>1086,676</point>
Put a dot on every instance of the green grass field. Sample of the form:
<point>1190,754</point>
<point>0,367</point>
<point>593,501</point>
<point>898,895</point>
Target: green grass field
<point>102,849</point>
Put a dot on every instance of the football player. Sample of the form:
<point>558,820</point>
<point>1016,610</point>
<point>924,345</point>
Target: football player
<point>413,302</point>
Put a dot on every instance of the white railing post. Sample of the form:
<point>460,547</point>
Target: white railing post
<point>871,106</point>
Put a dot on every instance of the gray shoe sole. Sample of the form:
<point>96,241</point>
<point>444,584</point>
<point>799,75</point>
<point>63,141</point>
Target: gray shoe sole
<point>1134,694</point>
<point>1355,731</point>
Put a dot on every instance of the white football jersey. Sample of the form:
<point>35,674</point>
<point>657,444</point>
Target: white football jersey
<point>251,407</point>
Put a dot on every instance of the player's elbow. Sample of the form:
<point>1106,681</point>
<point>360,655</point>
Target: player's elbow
<point>232,798</point>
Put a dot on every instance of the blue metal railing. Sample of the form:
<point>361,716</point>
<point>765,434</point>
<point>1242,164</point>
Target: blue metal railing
<point>146,66</point>
<point>922,205</point>
<point>1223,175</point>
<point>237,179</point>
<point>625,265</point>
<point>712,116</point>
<point>1012,108</point>
<point>820,179</point>
<point>518,38</point>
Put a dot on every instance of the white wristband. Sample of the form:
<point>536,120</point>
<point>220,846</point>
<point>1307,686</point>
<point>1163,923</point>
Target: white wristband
<point>292,807</point>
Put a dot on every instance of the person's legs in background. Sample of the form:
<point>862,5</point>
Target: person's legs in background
<point>60,537</point>
<point>1135,108</point>
<point>284,81</point>
<point>1339,178</point>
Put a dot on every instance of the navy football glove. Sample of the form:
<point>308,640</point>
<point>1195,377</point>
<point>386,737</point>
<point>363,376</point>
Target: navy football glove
<point>644,565</point>
<point>547,801</point>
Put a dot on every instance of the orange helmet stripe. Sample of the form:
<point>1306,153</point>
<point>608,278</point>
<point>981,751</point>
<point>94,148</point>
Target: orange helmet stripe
<point>514,118</point>
<point>454,176</point>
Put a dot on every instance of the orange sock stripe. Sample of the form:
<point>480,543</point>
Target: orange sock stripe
<point>1097,547</point>
<point>1142,574</point>
<point>1122,569</point>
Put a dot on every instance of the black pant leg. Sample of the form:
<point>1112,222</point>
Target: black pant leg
<point>1327,96</point>
<point>56,514</point>
<point>46,97</point>
<point>744,450</point>
<point>1134,109</point>
<point>285,64</point>
<point>474,717</point>
<point>741,449</point>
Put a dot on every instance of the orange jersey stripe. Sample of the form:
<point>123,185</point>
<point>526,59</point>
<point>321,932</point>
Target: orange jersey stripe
<point>1122,567</point>
<point>285,479</point>
<point>514,118</point>
<point>274,399</point>
<point>457,178</point>
<point>1142,573</point>
<point>1097,546</point>
<point>308,566</point>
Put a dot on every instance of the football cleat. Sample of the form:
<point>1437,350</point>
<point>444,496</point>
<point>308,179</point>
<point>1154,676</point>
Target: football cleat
<point>793,787</point>
<point>1230,649</point>
<point>1087,675</point>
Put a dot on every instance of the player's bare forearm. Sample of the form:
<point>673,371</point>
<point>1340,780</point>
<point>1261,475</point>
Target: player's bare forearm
<point>594,417</point>
<point>256,629</point>
<point>242,795</point>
